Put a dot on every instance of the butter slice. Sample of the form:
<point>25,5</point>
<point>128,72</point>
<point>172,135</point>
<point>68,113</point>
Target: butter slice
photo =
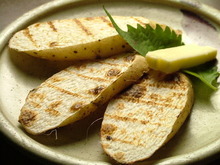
<point>170,60</point>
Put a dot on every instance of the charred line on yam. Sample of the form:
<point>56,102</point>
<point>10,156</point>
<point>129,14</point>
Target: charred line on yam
<point>28,117</point>
<point>52,26</point>
<point>85,29</point>
<point>150,102</point>
<point>63,90</point>
<point>139,21</point>
<point>35,104</point>
<point>88,77</point>
<point>130,119</point>
<point>33,95</point>
<point>51,109</point>
<point>106,21</point>
<point>52,112</point>
<point>114,64</point>
<point>27,33</point>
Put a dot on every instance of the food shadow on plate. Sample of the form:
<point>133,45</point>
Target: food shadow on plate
<point>80,131</point>
<point>38,67</point>
<point>203,95</point>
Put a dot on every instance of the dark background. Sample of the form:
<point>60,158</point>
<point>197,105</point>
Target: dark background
<point>10,10</point>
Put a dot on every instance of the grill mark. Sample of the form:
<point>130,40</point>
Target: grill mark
<point>149,102</point>
<point>88,77</point>
<point>129,119</point>
<point>89,18</point>
<point>27,33</point>
<point>86,30</point>
<point>55,104</point>
<point>64,91</point>
<point>37,25</point>
<point>55,79</point>
<point>35,104</point>
<point>134,142</point>
<point>106,21</point>
<point>52,112</point>
<point>52,26</point>
<point>157,97</point>
<point>28,117</point>
<point>168,86</point>
<point>36,96</point>
<point>114,64</point>
<point>139,21</point>
<point>175,94</point>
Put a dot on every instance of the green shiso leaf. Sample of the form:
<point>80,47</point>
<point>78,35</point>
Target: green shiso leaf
<point>145,39</point>
<point>207,73</point>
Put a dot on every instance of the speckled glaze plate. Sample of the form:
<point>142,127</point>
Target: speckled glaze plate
<point>197,140</point>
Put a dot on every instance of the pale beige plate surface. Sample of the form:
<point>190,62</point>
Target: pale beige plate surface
<point>197,140</point>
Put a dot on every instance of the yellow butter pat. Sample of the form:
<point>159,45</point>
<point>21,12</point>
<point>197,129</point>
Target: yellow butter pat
<point>170,60</point>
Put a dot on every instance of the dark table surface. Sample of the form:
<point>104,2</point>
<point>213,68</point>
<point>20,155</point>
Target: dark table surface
<point>9,11</point>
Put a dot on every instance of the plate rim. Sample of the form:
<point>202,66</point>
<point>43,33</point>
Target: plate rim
<point>12,132</point>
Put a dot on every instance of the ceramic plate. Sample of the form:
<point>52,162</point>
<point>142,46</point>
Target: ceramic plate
<point>197,140</point>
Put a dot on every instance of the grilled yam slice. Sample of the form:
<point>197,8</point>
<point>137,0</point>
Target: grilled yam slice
<point>75,39</point>
<point>144,117</point>
<point>75,92</point>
